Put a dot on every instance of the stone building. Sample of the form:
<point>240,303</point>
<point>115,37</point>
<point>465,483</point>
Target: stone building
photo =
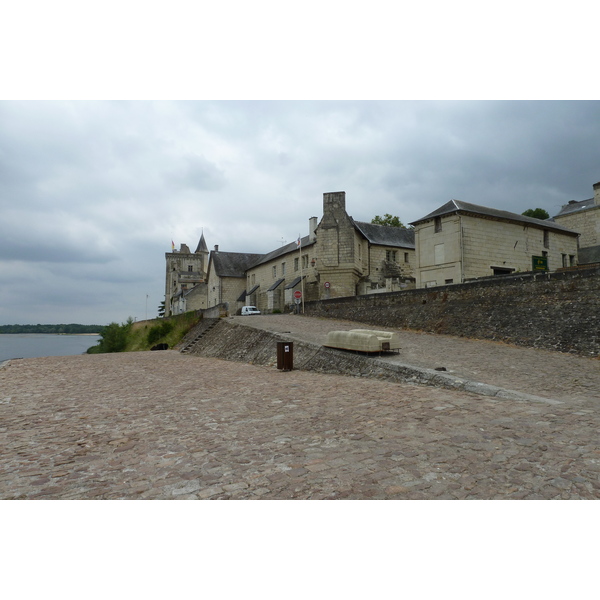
<point>338,257</point>
<point>272,280</point>
<point>226,280</point>
<point>355,258</point>
<point>184,271</point>
<point>461,241</point>
<point>584,217</point>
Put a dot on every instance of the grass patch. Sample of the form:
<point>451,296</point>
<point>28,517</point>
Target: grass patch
<point>139,337</point>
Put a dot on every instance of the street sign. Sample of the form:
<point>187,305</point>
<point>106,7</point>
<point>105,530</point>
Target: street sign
<point>298,294</point>
<point>327,284</point>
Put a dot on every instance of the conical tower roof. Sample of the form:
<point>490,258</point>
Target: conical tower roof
<point>202,247</point>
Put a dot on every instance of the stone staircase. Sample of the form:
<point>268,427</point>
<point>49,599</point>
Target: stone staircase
<point>192,339</point>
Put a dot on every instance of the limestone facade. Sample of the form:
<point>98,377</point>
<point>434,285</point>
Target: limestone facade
<point>584,217</point>
<point>226,282</point>
<point>460,242</point>
<point>273,279</point>
<point>356,258</point>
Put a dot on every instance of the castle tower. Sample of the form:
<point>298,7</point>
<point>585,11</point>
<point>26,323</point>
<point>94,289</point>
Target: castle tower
<point>184,271</point>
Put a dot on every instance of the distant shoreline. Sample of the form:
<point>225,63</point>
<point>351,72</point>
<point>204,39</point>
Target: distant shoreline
<point>44,333</point>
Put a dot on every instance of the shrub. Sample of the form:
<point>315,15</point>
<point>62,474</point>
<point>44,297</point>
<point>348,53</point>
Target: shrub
<point>159,331</point>
<point>113,338</point>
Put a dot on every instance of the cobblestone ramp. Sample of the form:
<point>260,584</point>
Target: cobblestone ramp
<point>230,341</point>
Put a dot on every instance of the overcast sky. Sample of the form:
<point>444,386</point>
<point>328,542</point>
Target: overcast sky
<point>92,193</point>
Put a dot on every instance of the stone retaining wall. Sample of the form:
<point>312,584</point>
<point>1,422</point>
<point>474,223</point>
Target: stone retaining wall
<point>239,343</point>
<point>555,311</point>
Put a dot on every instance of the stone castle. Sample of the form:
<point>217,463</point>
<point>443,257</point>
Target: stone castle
<point>341,257</point>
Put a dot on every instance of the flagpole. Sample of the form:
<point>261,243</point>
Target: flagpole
<point>301,276</point>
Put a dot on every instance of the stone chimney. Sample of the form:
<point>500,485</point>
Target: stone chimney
<point>334,208</point>
<point>597,194</point>
<point>312,229</point>
<point>334,201</point>
<point>216,247</point>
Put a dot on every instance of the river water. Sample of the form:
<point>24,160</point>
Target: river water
<point>32,345</point>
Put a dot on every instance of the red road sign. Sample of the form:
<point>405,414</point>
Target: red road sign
<point>297,294</point>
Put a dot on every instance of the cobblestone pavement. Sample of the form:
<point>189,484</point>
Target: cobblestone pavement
<point>162,425</point>
<point>533,371</point>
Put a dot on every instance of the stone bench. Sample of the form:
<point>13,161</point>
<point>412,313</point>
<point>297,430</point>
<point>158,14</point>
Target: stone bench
<point>363,340</point>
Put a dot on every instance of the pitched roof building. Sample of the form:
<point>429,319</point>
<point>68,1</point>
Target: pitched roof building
<point>584,216</point>
<point>460,241</point>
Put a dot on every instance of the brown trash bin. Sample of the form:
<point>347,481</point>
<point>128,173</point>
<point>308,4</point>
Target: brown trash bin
<point>285,356</point>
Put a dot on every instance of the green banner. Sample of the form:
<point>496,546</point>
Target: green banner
<point>539,263</point>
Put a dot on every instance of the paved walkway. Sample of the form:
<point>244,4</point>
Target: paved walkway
<point>163,425</point>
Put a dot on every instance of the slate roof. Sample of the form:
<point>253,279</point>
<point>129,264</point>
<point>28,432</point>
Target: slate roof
<point>397,237</point>
<point>291,247</point>
<point>455,206</point>
<point>276,284</point>
<point>295,282</point>
<point>232,264</point>
<point>587,256</point>
<point>202,245</point>
<point>574,206</point>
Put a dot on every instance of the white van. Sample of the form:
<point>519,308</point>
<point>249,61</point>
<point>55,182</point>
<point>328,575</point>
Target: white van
<point>250,310</point>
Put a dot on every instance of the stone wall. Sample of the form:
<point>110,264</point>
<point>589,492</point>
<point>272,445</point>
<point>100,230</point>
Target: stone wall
<point>556,311</point>
<point>239,343</point>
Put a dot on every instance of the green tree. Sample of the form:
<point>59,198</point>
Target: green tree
<point>536,213</point>
<point>113,338</point>
<point>388,220</point>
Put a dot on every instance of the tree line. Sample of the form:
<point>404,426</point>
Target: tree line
<point>63,328</point>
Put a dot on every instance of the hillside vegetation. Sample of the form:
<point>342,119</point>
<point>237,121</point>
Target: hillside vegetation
<point>138,337</point>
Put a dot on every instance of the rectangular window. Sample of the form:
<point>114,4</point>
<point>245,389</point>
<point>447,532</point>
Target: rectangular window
<point>190,268</point>
<point>564,260</point>
<point>390,255</point>
<point>448,281</point>
<point>296,264</point>
<point>438,224</point>
<point>283,269</point>
<point>274,271</point>
<point>546,238</point>
<point>571,260</point>
<point>253,278</point>
<point>305,261</point>
<point>406,257</point>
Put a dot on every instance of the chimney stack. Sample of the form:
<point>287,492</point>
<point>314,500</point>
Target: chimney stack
<point>597,194</point>
<point>312,229</point>
<point>216,247</point>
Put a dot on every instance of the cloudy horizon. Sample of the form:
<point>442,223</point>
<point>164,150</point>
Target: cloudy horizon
<point>93,192</point>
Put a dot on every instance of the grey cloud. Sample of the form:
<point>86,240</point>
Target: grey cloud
<point>197,173</point>
<point>95,191</point>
